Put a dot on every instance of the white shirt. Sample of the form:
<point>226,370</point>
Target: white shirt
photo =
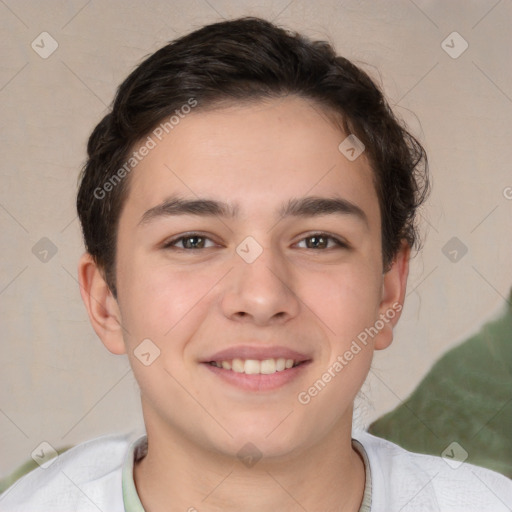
<point>98,475</point>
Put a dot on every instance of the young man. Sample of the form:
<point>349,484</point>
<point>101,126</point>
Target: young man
<point>248,209</point>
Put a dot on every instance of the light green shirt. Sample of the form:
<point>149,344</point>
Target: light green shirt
<point>139,448</point>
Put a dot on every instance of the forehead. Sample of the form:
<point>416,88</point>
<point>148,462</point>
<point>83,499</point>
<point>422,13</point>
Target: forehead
<point>253,156</point>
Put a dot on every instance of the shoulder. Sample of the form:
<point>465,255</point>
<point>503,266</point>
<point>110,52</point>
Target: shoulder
<point>408,481</point>
<point>85,477</point>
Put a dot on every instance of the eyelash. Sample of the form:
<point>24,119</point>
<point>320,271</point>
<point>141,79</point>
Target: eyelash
<point>170,244</point>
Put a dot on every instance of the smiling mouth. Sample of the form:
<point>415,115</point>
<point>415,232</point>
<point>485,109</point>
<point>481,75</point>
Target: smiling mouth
<point>255,366</point>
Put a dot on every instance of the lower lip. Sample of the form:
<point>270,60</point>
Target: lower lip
<point>258,382</point>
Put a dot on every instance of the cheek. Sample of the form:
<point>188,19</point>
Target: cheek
<point>159,302</point>
<point>347,303</point>
<point>164,306</point>
<point>346,300</point>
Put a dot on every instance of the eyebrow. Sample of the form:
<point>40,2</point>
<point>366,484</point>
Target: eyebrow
<point>311,206</point>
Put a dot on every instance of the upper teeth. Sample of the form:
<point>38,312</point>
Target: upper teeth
<point>253,366</point>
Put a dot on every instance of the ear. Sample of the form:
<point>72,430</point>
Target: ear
<point>101,305</point>
<point>394,285</point>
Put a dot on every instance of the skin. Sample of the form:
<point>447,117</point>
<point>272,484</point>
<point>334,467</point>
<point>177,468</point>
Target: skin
<point>191,304</point>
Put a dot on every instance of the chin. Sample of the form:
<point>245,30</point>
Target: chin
<point>270,438</point>
<point>258,449</point>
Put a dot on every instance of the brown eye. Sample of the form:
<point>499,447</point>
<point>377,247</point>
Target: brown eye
<point>321,241</point>
<point>317,242</point>
<point>191,241</point>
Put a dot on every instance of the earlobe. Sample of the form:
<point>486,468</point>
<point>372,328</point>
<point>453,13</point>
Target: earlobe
<point>394,286</point>
<point>101,306</point>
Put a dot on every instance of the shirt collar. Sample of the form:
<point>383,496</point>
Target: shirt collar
<point>139,448</point>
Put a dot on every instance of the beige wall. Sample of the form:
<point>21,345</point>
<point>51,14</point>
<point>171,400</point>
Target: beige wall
<point>58,383</point>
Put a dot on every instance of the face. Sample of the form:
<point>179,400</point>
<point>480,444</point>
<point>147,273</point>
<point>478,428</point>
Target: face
<point>282,263</point>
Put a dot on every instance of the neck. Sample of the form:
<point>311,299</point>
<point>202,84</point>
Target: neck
<point>177,474</point>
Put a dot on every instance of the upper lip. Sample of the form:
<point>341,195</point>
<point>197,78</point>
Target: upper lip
<point>259,353</point>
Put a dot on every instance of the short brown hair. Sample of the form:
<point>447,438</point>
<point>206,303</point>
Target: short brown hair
<point>241,60</point>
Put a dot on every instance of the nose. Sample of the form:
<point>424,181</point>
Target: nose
<point>260,292</point>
